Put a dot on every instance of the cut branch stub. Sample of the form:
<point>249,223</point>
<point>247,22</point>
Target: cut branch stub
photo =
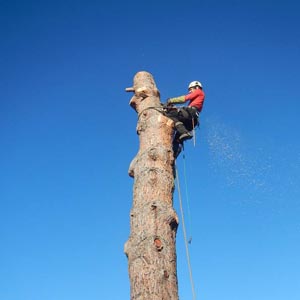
<point>143,87</point>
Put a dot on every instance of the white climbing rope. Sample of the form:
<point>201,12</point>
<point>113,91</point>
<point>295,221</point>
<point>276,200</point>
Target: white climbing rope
<point>185,237</point>
<point>187,200</point>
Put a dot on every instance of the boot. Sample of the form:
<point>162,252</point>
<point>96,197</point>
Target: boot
<point>182,132</point>
<point>185,136</point>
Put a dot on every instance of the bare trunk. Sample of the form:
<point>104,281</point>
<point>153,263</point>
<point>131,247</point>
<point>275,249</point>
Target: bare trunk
<point>151,248</point>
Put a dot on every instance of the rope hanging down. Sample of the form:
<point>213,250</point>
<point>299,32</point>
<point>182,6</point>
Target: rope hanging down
<point>184,235</point>
<point>187,199</point>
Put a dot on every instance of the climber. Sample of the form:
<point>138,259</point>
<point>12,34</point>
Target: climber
<point>185,118</point>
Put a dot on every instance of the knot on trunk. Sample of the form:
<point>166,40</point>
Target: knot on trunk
<point>158,244</point>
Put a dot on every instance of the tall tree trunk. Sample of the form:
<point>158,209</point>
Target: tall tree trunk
<point>151,247</point>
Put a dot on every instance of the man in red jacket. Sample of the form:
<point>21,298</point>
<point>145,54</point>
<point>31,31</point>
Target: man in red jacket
<point>185,118</point>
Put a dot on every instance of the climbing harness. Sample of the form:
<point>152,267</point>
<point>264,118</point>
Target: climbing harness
<point>184,235</point>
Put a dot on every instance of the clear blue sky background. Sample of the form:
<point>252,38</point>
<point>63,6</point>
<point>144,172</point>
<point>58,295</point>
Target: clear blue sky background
<point>68,136</point>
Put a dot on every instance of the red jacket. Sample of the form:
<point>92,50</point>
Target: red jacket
<point>196,98</point>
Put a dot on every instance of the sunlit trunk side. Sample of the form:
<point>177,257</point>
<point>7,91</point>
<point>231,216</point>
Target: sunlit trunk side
<point>151,248</point>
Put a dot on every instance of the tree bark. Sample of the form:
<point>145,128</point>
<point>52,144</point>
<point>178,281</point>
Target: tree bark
<point>151,245</point>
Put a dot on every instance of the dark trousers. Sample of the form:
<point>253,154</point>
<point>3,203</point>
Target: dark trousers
<point>185,118</point>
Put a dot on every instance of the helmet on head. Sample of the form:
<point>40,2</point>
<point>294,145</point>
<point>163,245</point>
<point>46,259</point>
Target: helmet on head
<point>194,84</point>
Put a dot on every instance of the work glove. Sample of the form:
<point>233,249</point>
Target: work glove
<point>175,100</point>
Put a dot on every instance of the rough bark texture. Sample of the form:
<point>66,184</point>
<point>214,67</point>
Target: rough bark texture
<point>151,248</point>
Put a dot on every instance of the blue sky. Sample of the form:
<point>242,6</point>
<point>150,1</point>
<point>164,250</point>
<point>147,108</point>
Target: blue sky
<point>68,136</point>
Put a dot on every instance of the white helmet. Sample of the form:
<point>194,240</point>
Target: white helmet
<point>193,84</point>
